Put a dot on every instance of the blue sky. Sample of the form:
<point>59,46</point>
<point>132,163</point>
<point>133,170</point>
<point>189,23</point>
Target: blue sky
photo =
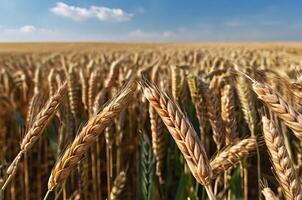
<point>153,20</point>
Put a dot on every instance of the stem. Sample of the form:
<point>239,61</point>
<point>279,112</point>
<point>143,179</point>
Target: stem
<point>58,193</point>
<point>1,194</point>
<point>118,154</point>
<point>196,188</point>
<point>80,179</point>
<point>7,182</point>
<point>246,179</point>
<point>64,192</point>
<point>46,195</point>
<point>98,169</point>
<point>93,171</point>
<point>108,170</point>
<point>39,173</point>
<point>26,177</point>
<point>210,192</point>
<point>216,184</point>
<point>12,172</point>
<point>227,178</point>
<point>111,170</point>
<point>258,173</point>
<point>159,189</point>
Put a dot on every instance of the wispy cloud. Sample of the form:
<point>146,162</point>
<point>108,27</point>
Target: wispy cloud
<point>138,34</point>
<point>251,21</point>
<point>26,29</point>
<point>80,14</point>
<point>28,33</point>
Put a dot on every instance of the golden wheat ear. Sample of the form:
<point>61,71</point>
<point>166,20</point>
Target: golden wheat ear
<point>231,155</point>
<point>281,161</point>
<point>267,191</point>
<point>88,135</point>
<point>284,111</point>
<point>181,130</point>
<point>37,128</point>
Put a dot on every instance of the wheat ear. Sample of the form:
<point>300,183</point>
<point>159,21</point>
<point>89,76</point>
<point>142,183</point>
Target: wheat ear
<point>84,88</point>
<point>35,131</point>
<point>88,135</point>
<point>291,118</point>
<point>158,142</point>
<point>182,132</point>
<point>43,118</point>
<point>228,113</point>
<point>213,113</point>
<point>52,82</point>
<point>281,161</point>
<point>146,169</point>
<point>232,155</point>
<point>247,104</point>
<point>267,191</point>
<point>118,186</point>
<point>92,90</point>
<point>176,82</point>
<point>113,73</point>
<point>269,194</point>
<point>73,92</point>
<point>199,104</point>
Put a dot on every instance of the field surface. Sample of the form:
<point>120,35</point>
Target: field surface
<point>150,121</point>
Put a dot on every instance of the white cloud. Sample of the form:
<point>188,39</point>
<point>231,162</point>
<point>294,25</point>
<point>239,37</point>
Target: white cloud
<point>100,13</point>
<point>76,13</point>
<point>27,29</point>
<point>27,33</point>
<point>139,34</point>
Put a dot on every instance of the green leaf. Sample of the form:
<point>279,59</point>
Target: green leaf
<point>181,188</point>
<point>235,181</point>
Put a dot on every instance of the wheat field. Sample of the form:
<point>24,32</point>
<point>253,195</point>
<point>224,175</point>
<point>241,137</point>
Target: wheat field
<point>150,121</point>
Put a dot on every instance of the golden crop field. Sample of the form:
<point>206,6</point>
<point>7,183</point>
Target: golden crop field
<point>150,121</point>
